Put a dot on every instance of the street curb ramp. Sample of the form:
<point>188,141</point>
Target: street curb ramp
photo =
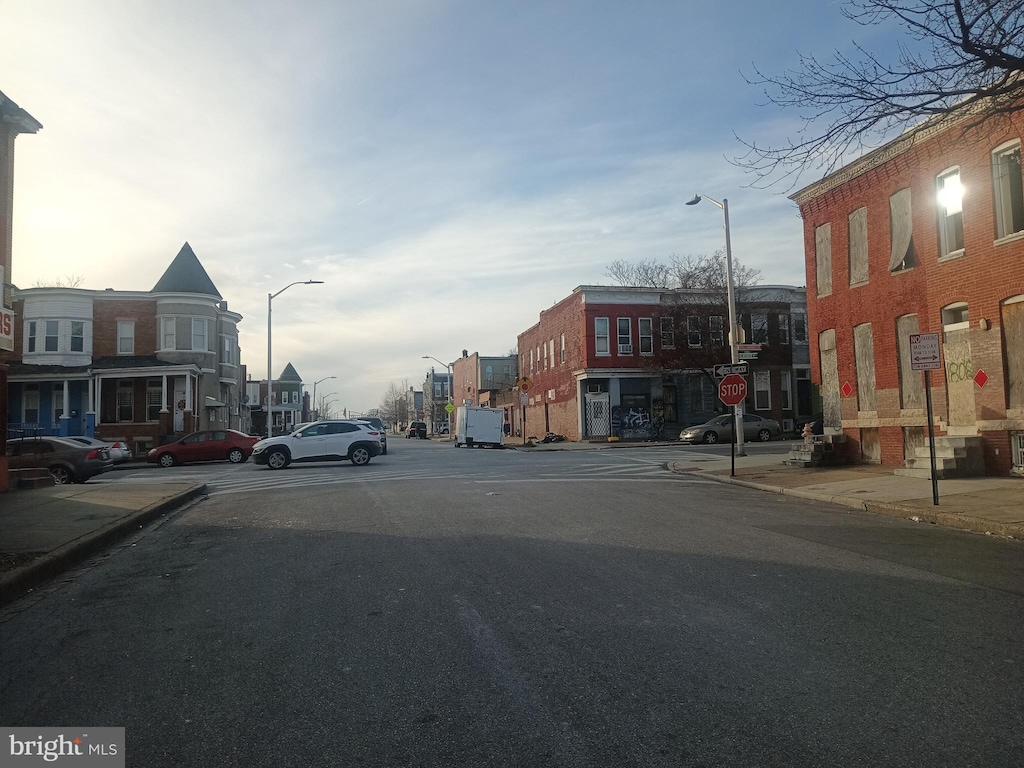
<point>17,582</point>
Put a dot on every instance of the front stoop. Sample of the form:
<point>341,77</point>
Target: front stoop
<point>954,457</point>
<point>821,451</point>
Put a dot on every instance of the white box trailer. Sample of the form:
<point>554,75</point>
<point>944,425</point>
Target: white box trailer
<point>479,426</point>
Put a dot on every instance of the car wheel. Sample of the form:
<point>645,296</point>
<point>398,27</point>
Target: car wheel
<point>61,475</point>
<point>359,456</point>
<point>166,460</point>
<point>236,456</point>
<point>277,459</point>
<point>710,437</point>
<point>764,435</point>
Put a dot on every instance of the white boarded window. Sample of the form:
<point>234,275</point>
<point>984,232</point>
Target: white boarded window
<point>911,383</point>
<point>901,232</point>
<point>858,223</point>
<point>823,258</point>
<point>864,359</point>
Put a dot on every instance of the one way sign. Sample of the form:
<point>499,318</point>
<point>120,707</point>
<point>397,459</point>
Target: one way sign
<point>924,352</point>
<point>721,371</point>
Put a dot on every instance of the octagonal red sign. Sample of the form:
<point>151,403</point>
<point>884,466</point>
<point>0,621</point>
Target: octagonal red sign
<point>980,378</point>
<point>732,389</point>
<point>846,389</point>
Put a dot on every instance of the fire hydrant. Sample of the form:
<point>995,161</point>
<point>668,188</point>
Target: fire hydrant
<point>808,432</point>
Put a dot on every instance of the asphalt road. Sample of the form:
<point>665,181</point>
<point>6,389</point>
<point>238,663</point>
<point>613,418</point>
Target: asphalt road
<point>446,607</point>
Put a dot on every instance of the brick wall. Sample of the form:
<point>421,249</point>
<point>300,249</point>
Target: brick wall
<point>565,317</point>
<point>106,313</point>
<point>985,275</point>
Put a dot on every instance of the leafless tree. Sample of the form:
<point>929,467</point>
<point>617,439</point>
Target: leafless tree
<point>68,281</point>
<point>960,59</point>
<point>694,272</point>
<point>393,407</point>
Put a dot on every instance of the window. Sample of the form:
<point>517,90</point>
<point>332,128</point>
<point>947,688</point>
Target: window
<point>601,336</point>
<point>901,232</point>
<point>545,355</point>
<point>1009,190</point>
<point>762,390</point>
<point>154,399</point>
<point>858,246</point>
<point>167,335</point>
<point>799,327</point>
<point>911,384</point>
<point>50,343</point>
<point>30,342</point>
<point>668,333</point>
<point>950,209</point>
<point>229,350</point>
<point>823,258</point>
<point>57,400</point>
<point>199,334</point>
<point>625,335</point>
<point>438,392</point>
<point>786,383</point>
<point>716,330</point>
<point>784,329</point>
<point>693,331</point>
<point>125,337</point>
<point>552,353</point>
<point>645,330</point>
<point>77,336</point>
<point>864,362</point>
<point>125,397</point>
<point>531,362</point>
<point>489,374</point>
<point>562,359</point>
<point>759,329</point>
<point>30,403</point>
<point>955,317</point>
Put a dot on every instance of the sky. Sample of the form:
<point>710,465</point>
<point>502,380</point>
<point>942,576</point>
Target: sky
<point>448,169</point>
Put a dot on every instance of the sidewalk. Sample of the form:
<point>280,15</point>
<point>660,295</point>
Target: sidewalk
<point>45,531</point>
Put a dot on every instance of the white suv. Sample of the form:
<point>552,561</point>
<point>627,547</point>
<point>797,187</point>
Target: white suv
<point>333,440</point>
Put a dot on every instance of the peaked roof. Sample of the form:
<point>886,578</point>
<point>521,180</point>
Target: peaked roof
<point>16,119</point>
<point>289,374</point>
<point>186,275</point>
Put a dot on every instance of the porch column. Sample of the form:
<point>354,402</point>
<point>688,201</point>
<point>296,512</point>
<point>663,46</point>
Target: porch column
<point>163,394</point>
<point>90,415</point>
<point>65,414</point>
<point>98,405</point>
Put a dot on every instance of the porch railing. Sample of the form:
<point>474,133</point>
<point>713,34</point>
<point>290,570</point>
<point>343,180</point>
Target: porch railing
<point>27,429</point>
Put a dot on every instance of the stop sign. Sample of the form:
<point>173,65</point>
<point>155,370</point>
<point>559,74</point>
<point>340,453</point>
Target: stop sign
<point>732,389</point>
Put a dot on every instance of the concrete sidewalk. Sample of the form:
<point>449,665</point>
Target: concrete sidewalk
<point>45,531</point>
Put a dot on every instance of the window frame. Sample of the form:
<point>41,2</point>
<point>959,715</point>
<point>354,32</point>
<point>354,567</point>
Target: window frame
<point>784,328</point>
<point>204,323</point>
<point>716,336</point>
<point>786,388</point>
<point>124,386</point>
<point>648,337</point>
<point>945,219</point>
<point>80,337</point>
<point>30,336</point>
<point>562,358</point>
<point>154,390</point>
<point>55,324</point>
<point>753,330</point>
<point>170,322</point>
<point>606,336</point>
<point>668,332</point>
<point>1001,206</point>
<point>126,325</point>
<point>760,375</point>
<point>624,350</point>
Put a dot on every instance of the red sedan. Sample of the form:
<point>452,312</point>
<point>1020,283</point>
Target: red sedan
<point>212,445</point>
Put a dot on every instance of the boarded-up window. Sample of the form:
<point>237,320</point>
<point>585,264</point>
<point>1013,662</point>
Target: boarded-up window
<point>1013,344</point>
<point>911,384</point>
<point>830,397</point>
<point>823,258</point>
<point>864,356</point>
<point>901,231</point>
<point>859,246</point>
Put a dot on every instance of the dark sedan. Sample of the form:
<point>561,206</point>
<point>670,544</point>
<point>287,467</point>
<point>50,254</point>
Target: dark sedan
<point>210,445</point>
<point>66,460</point>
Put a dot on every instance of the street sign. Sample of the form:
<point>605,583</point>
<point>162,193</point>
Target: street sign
<point>748,347</point>
<point>748,355</point>
<point>924,352</point>
<point>6,328</point>
<point>448,408</point>
<point>524,399</point>
<point>725,370</point>
<point>524,384</point>
<point>732,389</point>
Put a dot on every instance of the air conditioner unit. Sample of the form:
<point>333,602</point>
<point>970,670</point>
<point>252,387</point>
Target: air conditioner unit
<point>593,389</point>
<point>787,425</point>
<point>625,349</point>
<point>551,394</point>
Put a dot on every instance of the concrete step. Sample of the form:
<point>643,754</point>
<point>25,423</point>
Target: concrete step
<point>941,451</point>
<point>956,442</point>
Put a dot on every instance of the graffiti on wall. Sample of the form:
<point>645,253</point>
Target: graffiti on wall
<point>632,423</point>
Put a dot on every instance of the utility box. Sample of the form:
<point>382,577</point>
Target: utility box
<point>479,426</point>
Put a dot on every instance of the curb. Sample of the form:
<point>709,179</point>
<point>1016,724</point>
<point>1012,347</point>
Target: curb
<point>889,509</point>
<point>18,581</point>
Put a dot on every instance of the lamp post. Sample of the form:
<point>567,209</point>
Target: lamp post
<point>325,378</point>
<point>270,369</point>
<point>448,366</point>
<point>731,293</point>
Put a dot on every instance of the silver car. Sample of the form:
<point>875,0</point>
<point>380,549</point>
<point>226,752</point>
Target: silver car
<point>719,430</point>
<point>119,451</point>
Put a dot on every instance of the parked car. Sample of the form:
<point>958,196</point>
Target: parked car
<point>417,429</point>
<point>210,445</point>
<point>118,451</point>
<point>817,425</point>
<point>66,460</point>
<point>442,429</point>
<point>719,429</point>
<point>328,440</point>
<point>378,425</point>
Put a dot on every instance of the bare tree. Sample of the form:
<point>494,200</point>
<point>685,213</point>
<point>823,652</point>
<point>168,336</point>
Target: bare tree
<point>961,59</point>
<point>69,281</point>
<point>692,273</point>
<point>393,407</point>
<point>641,274</point>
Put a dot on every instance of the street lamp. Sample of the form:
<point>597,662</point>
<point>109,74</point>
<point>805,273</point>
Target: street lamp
<point>449,367</point>
<point>325,378</point>
<point>270,369</point>
<point>733,331</point>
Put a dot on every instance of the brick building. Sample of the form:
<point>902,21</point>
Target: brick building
<point>924,234</point>
<point>483,381</point>
<point>636,363</point>
<point>137,366</point>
